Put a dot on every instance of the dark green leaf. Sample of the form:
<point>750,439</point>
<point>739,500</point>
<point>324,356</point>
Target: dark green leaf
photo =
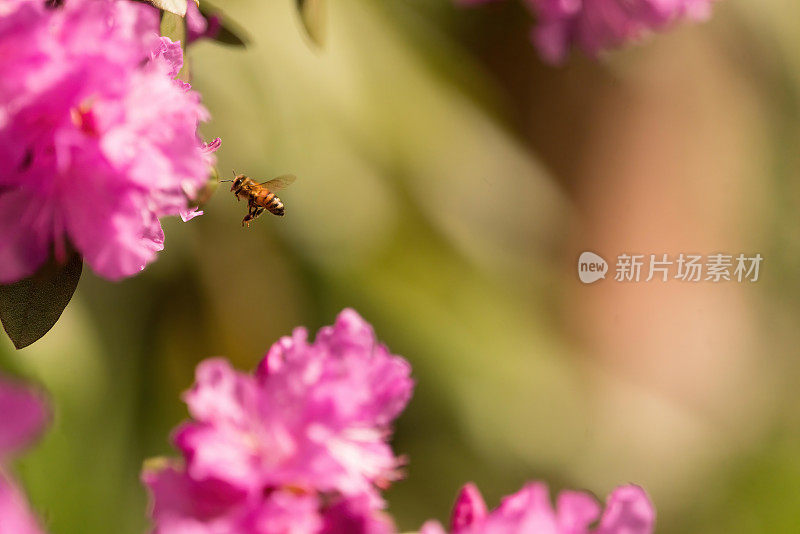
<point>29,308</point>
<point>173,6</point>
<point>229,32</point>
<point>228,35</point>
<point>312,13</point>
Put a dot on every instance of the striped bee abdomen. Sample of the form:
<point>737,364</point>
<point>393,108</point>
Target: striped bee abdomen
<point>272,203</point>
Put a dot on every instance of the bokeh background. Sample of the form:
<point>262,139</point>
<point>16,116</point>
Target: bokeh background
<point>448,181</point>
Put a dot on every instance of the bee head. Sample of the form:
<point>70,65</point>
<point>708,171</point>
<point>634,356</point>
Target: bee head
<point>237,183</point>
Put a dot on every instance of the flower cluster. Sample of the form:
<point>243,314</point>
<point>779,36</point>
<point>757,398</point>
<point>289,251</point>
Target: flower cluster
<point>97,138</point>
<point>24,416</point>
<point>597,25</point>
<point>628,511</point>
<point>300,445</point>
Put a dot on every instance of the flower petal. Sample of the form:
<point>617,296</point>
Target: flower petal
<point>628,511</point>
<point>24,416</point>
<point>469,508</point>
<point>576,511</point>
<point>25,235</point>
<point>15,514</point>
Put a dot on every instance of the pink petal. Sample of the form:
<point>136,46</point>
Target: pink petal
<point>169,52</point>
<point>528,510</point>
<point>116,234</point>
<point>469,508</point>
<point>286,512</point>
<point>628,511</point>
<point>213,145</point>
<point>576,511</point>
<point>432,527</point>
<point>189,214</point>
<point>196,23</point>
<point>356,515</point>
<point>181,504</point>
<point>220,393</point>
<point>23,416</point>
<point>219,453</point>
<point>15,514</point>
<point>26,235</point>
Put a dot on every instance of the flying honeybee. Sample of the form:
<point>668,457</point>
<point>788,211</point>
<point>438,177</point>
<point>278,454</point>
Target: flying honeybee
<point>260,196</point>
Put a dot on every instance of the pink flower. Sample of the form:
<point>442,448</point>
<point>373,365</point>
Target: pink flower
<point>628,511</point>
<point>15,514</point>
<point>24,416</point>
<point>307,431</point>
<point>597,25</point>
<point>183,505</point>
<point>198,26</point>
<point>96,142</point>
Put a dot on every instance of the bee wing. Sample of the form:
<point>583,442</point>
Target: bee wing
<point>281,182</point>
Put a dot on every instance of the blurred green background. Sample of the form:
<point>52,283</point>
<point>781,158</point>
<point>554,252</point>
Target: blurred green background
<point>448,181</point>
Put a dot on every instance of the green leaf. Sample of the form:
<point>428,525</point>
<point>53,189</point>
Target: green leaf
<point>229,32</point>
<point>173,26</point>
<point>228,35</point>
<point>177,7</point>
<point>29,308</point>
<point>312,13</point>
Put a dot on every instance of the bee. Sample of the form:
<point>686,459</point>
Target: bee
<point>260,196</point>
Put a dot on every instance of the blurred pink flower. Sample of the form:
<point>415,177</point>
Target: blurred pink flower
<point>307,431</point>
<point>15,514</point>
<point>23,416</point>
<point>597,25</point>
<point>96,142</point>
<point>628,511</point>
<point>198,26</point>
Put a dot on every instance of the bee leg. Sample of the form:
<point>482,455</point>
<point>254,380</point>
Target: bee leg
<point>249,217</point>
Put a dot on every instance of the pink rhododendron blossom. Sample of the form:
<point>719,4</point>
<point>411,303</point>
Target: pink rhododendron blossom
<point>302,440</point>
<point>97,140</point>
<point>183,505</point>
<point>597,25</point>
<point>23,416</point>
<point>628,511</point>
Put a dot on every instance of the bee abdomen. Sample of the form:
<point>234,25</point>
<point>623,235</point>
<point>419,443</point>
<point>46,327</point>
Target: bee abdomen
<point>272,203</point>
<point>275,206</point>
